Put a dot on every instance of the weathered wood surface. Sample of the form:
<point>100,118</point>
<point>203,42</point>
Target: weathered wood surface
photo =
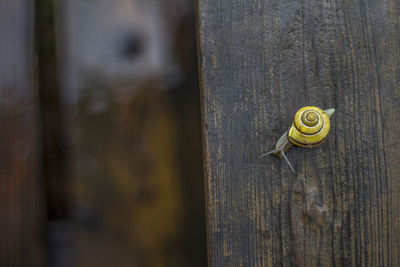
<point>261,61</point>
<point>21,201</point>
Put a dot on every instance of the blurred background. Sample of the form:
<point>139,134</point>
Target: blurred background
<point>120,158</point>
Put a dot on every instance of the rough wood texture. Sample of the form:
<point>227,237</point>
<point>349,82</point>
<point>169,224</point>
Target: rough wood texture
<point>21,202</point>
<point>261,61</point>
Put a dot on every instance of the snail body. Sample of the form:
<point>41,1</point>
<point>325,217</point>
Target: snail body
<point>310,128</point>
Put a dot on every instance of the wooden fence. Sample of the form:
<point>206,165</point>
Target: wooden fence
<point>261,61</point>
<point>100,139</point>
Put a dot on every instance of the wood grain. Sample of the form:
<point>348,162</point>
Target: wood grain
<point>260,61</point>
<point>21,201</point>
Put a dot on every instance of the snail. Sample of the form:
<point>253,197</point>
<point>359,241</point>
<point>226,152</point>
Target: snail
<point>310,128</point>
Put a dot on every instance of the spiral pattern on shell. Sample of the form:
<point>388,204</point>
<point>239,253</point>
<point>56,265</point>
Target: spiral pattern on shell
<point>310,127</point>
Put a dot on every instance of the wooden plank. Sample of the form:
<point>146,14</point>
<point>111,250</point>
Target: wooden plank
<point>138,177</point>
<point>261,61</point>
<point>55,139</point>
<point>21,201</point>
<point>55,163</point>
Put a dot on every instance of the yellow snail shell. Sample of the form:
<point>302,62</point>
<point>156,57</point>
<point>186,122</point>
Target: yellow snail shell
<point>310,127</point>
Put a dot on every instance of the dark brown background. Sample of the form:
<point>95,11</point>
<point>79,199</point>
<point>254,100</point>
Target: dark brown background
<point>100,134</point>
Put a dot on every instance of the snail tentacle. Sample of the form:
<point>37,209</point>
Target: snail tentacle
<point>287,160</point>
<point>266,154</point>
<point>281,153</point>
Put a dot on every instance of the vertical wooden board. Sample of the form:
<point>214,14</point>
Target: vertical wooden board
<point>259,62</point>
<point>21,202</point>
<point>54,135</point>
<point>137,183</point>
